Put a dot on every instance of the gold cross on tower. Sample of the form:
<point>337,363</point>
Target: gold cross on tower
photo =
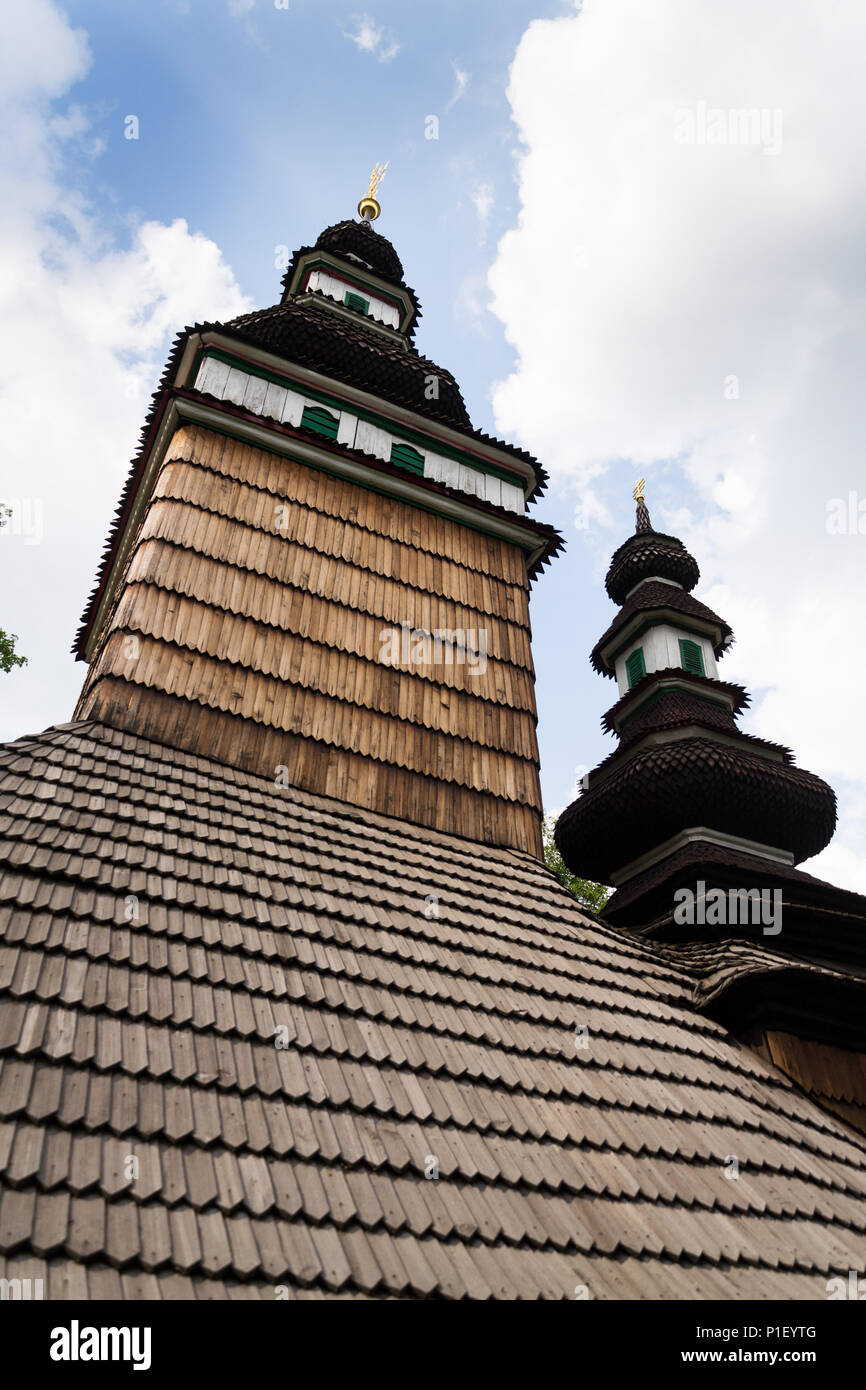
<point>368,207</point>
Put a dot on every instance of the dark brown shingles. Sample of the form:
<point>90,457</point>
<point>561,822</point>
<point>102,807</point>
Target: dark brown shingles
<point>411,1039</point>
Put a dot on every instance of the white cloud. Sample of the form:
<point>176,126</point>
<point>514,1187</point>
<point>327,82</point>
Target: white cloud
<point>470,306</point>
<point>86,331</point>
<point>695,312</point>
<point>371,38</point>
<point>461,82</point>
<point>483,200</point>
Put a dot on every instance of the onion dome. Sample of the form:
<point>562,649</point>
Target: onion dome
<point>359,242</point>
<point>662,790</point>
<point>649,554</point>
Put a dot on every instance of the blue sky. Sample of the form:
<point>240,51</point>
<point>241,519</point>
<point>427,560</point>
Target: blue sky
<point>593,281</point>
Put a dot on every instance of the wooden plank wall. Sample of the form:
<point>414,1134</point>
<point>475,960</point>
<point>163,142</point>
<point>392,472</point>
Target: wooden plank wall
<point>249,624</point>
<point>835,1077</point>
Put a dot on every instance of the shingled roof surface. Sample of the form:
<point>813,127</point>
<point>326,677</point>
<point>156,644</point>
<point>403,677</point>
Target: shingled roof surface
<point>161,916</point>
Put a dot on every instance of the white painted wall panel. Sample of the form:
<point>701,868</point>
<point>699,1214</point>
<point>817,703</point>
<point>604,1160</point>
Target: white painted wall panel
<point>450,472</point>
<point>281,403</point>
<point>336,289</point>
<point>385,313</point>
<point>254,396</point>
<point>513,498</point>
<point>469,479</point>
<point>293,408</point>
<point>371,440</point>
<point>346,428</point>
<point>661,649</point>
<point>275,400</point>
<point>235,387</point>
<point>493,489</point>
<point>212,376</point>
<point>433,466</point>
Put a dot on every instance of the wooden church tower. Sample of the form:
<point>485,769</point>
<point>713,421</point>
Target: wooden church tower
<point>700,827</point>
<point>319,570</point>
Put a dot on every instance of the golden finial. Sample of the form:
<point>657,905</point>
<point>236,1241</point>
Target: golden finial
<point>638,490</point>
<point>368,206</point>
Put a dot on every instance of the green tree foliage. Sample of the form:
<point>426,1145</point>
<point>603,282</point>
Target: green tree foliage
<point>8,656</point>
<point>589,894</point>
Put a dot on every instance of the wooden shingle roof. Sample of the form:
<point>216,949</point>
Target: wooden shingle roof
<point>161,916</point>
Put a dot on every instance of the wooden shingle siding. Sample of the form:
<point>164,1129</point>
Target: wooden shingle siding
<point>350,501</point>
<point>308,625</point>
<point>325,539</point>
<point>305,672</point>
<point>320,767</point>
<point>253,625</point>
<point>286,606</point>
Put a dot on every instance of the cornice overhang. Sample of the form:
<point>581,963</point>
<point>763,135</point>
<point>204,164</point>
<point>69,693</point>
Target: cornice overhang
<point>729,697</point>
<point>816,1004</point>
<point>655,738</point>
<point>820,922</point>
<point>606,652</point>
<point>654,579</point>
<point>700,835</point>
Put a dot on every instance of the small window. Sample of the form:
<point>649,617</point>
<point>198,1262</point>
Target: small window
<point>635,667</point>
<point>407,457</point>
<point>691,657</point>
<point>356,301</point>
<point>316,418</point>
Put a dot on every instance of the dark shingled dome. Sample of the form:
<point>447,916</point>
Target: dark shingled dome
<point>663,789</point>
<point>358,240</point>
<point>650,553</point>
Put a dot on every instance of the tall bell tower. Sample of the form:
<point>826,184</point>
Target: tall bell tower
<point>319,570</point>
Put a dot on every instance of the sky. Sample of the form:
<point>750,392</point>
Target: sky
<point>637,234</point>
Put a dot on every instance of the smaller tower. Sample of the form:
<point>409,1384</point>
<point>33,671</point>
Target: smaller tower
<point>687,797</point>
<point>700,828</point>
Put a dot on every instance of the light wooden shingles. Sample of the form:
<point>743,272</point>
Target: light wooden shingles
<point>233,536</point>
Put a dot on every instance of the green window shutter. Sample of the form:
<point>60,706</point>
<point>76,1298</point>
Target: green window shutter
<point>316,418</point>
<point>356,301</point>
<point>635,667</point>
<point>407,457</point>
<point>691,657</point>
